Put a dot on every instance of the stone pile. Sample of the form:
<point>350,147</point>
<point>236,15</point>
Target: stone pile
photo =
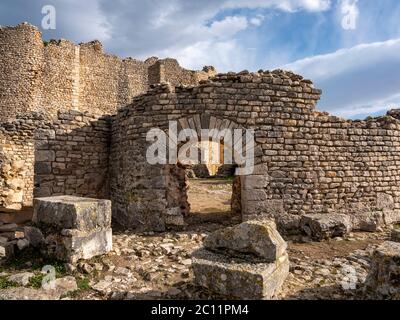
<point>383,281</point>
<point>248,261</point>
<point>74,228</point>
<point>12,238</point>
<point>327,226</point>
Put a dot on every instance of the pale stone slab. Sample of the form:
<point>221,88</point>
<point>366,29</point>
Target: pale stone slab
<point>70,212</point>
<point>238,278</point>
<point>258,238</point>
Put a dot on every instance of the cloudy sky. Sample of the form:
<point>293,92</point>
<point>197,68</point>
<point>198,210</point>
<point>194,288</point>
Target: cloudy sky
<point>349,48</point>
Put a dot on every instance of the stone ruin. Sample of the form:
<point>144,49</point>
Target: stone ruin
<point>73,124</point>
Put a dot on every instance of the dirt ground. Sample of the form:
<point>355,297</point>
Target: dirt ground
<point>210,200</point>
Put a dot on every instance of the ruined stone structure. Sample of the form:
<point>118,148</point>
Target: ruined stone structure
<point>307,162</point>
<point>58,75</point>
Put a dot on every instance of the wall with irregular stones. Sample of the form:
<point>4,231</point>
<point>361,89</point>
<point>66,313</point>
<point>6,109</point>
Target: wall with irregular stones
<point>71,156</point>
<point>40,156</point>
<point>306,161</point>
<point>58,75</point>
<point>17,151</point>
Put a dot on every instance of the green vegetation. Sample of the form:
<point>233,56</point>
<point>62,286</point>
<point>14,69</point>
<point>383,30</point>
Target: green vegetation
<point>36,281</point>
<point>5,284</point>
<point>83,284</point>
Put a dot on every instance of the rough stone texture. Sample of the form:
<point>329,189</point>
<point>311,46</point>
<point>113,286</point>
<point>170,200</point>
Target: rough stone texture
<point>307,162</point>
<point>320,226</point>
<point>239,279</point>
<point>70,212</point>
<point>74,227</point>
<point>383,282</point>
<point>395,236</point>
<point>21,279</point>
<point>59,75</point>
<point>22,293</point>
<point>258,238</point>
<point>248,261</point>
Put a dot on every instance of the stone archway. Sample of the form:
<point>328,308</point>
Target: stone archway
<point>275,105</point>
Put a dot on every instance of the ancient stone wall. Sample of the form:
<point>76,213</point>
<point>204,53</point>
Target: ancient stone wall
<point>71,156</point>
<point>21,58</point>
<point>17,160</point>
<point>306,161</point>
<point>58,75</point>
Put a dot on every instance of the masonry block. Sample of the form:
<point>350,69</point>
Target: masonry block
<point>237,278</point>
<point>74,228</point>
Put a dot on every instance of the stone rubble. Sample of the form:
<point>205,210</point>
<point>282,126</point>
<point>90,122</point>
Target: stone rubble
<point>384,278</point>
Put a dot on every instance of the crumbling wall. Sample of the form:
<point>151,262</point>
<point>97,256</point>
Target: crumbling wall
<point>17,160</point>
<point>71,156</point>
<point>58,75</point>
<point>108,82</point>
<point>305,161</point>
<point>169,70</point>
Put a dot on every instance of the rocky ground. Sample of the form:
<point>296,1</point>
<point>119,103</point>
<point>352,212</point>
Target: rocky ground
<point>157,265</point>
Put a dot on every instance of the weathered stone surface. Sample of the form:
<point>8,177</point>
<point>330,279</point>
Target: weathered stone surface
<point>73,245</point>
<point>368,221</point>
<point>65,285</point>
<point>395,236</point>
<point>8,227</point>
<point>22,293</point>
<point>34,236</point>
<point>239,279</point>
<point>21,279</point>
<point>174,218</point>
<point>259,238</point>
<point>74,227</point>
<point>384,278</point>
<point>325,226</point>
<point>69,212</point>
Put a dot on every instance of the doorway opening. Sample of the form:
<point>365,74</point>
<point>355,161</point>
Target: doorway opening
<point>213,191</point>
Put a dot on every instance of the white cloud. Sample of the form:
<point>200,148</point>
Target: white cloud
<point>358,80</point>
<point>177,27</point>
<point>286,5</point>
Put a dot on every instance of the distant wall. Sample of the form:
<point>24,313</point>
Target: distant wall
<point>21,59</point>
<point>59,75</point>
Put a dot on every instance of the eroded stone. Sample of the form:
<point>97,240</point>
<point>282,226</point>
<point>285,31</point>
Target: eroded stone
<point>238,278</point>
<point>259,238</point>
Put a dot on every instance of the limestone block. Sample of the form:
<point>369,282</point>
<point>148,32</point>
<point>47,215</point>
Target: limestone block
<point>70,212</point>
<point>368,221</point>
<point>258,238</point>
<point>238,278</point>
<point>45,155</point>
<point>325,226</point>
<point>73,245</point>
<point>384,278</point>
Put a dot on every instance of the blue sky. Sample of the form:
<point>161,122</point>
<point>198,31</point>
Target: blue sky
<point>349,48</point>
